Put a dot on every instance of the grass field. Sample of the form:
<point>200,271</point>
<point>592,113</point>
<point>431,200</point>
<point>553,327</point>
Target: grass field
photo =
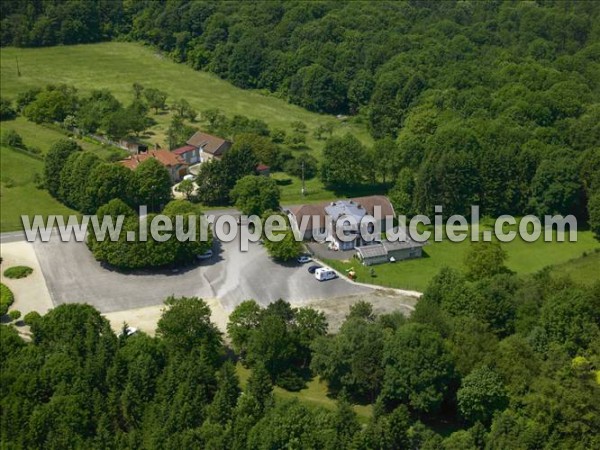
<point>117,65</point>
<point>315,395</point>
<point>18,193</point>
<point>523,258</point>
<point>583,270</point>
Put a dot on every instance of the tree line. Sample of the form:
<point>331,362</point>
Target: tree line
<point>495,360</point>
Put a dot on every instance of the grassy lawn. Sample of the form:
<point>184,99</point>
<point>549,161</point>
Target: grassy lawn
<point>117,65</point>
<point>43,136</point>
<point>315,395</point>
<point>523,258</point>
<point>18,192</point>
<point>583,270</point>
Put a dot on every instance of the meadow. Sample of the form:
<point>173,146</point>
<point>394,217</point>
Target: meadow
<point>116,66</point>
<point>18,193</point>
<point>522,257</point>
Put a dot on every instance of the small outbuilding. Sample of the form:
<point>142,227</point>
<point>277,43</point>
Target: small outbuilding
<point>389,251</point>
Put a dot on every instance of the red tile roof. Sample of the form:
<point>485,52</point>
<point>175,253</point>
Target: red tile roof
<point>184,149</point>
<point>262,167</point>
<point>165,157</point>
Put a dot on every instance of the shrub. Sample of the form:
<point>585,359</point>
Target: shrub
<point>12,139</point>
<point>14,315</point>
<point>6,299</point>
<point>18,272</point>
<point>7,112</point>
<point>31,317</point>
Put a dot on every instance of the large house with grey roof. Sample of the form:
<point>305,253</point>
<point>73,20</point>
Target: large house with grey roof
<point>315,222</point>
<point>203,147</point>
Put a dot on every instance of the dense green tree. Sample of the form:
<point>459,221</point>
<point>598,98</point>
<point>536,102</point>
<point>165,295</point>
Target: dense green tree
<point>556,188</point>
<point>485,259</point>
<point>255,194</point>
<point>93,109</point>
<point>343,159</point>
<point>156,98</point>
<point>54,162</point>
<point>418,368</point>
<point>184,110</point>
<point>178,133</point>
<point>152,184</point>
<point>302,165</point>
<point>481,394</point>
<point>352,360</point>
<point>242,321</point>
<point>401,195</point>
<point>185,325</point>
<point>7,112</point>
<point>213,187</point>
<point>53,104</point>
<point>106,182</point>
<point>74,180</point>
<point>594,214</point>
<point>281,249</point>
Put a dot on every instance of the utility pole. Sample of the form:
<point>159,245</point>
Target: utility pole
<point>18,70</point>
<point>303,186</point>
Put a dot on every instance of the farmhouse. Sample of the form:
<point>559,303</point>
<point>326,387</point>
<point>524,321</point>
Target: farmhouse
<point>312,220</point>
<point>175,165</point>
<point>189,153</point>
<point>206,147</point>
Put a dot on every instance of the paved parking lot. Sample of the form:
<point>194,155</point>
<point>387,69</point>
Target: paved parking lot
<point>72,275</point>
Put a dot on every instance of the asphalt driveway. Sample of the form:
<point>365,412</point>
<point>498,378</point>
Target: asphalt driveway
<point>73,275</point>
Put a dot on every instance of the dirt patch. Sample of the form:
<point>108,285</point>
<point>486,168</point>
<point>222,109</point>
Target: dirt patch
<point>146,319</point>
<point>383,300</point>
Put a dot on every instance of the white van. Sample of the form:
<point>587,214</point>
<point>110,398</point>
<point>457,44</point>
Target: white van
<point>325,273</point>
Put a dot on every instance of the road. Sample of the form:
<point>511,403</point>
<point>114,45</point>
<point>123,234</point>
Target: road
<point>72,275</point>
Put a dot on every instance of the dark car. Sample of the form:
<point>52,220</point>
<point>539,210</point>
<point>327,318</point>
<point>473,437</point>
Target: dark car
<point>312,269</point>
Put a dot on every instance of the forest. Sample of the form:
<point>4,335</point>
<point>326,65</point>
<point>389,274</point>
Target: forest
<point>493,103</point>
<point>487,360</point>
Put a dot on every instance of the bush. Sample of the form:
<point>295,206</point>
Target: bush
<point>6,299</point>
<point>12,139</point>
<point>7,112</point>
<point>31,318</point>
<point>18,272</point>
<point>14,315</point>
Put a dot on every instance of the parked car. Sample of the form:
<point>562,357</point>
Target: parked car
<point>312,269</point>
<point>206,255</point>
<point>304,259</point>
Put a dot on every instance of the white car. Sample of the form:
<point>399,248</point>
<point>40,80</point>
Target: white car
<point>304,259</point>
<point>206,255</point>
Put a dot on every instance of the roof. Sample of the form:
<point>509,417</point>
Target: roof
<point>310,211</point>
<point>360,203</point>
<point>386,247</point>
<point>210,144</point>
<point>184,149</point>
<point>165,157</point>
<point>372,251</point>
<point>262,167</point>
<point>371,201</point>
<point>345,208</point>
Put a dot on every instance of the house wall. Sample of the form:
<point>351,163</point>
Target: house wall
<point>406,253</point>
<point>375,260</point>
